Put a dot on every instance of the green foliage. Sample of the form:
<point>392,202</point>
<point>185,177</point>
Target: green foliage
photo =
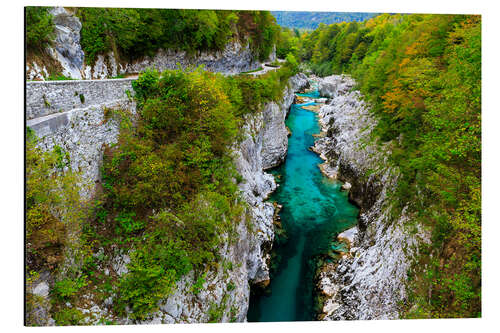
<point>58,77</point>
<point>46,103</point>
<point>336,48</point>
<point>216,311</point>
<point>287,42</point>
<point>52,204</point>
<point>252,71</point>
<point>153,271</point>
<point>146,85</point>
<point>82,98</point>
<point>261,29</point>
<point>292,63</point>
<point>127,223</point>
<point>66,288</point>
<point>62,157</point>
<point>248,94</point>
<point>135,32</point>
<point>68,317</point>
<point>39,28</point>
<point>185,128</point>
<point>198,285</point>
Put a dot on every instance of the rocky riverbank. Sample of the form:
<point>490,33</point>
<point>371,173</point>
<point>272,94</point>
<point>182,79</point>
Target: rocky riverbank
<point>369,281</point>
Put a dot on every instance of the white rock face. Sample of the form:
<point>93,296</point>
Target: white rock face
<point>349,235</point>
<point>371,279</point>
<point>346,186</point>
<point>234,58</point>
<point>34,72</point>
<point>335,85</point>
<point>67,43</point>
<point>39,314</point>
<point>41,289</point>
<point>275,134</point>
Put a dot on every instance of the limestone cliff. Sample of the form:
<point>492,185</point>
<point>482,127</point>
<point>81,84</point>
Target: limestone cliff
<point>234,58</point>
<point>369,281</point>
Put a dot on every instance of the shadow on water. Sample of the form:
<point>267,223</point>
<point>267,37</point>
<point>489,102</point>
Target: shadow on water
<point>314,211</point>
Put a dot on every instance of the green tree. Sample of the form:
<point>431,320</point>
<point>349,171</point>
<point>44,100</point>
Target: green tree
<point>39,27</point>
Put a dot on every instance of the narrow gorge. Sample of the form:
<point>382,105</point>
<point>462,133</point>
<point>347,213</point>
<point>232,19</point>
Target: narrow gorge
<point>312,211</point>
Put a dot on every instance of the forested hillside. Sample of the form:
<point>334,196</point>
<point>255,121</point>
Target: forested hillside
<point>135,32</point>
<point>311,20</point>
<point>422,76</point>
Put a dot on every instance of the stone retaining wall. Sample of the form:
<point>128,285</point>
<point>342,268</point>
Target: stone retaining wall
<point>44,98</point>
<point>83,133</point>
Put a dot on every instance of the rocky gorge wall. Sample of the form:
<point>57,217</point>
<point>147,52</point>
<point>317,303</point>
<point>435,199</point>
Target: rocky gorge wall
<point>235,58</point>
<point>83,132</point>
<point>67,52</point>
<point>369,281</point>
<point>229,289</point>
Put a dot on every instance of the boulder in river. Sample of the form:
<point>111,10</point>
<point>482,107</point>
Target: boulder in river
<point>346,186</point>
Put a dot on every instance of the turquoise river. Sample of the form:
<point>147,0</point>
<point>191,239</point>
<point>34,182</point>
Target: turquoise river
<point>314,211</point>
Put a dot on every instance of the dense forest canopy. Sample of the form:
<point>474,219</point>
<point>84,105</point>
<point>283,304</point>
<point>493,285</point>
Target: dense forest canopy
<point>311,20</point>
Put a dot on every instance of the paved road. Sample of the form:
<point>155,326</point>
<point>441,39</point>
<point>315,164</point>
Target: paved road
<point>264,70</point>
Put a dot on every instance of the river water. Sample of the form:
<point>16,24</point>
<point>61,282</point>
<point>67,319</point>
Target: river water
<point>314,211</point>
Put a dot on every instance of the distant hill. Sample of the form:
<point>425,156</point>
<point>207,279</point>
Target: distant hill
<point>311,20</point>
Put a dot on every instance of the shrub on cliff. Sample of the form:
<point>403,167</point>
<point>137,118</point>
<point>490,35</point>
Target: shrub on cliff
<point>39,27</point>
<point>168,189</point>
<point>52,206</point>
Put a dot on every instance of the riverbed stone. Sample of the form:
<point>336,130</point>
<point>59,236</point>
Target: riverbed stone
<point>346,186</point>
<point>348,235</point>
